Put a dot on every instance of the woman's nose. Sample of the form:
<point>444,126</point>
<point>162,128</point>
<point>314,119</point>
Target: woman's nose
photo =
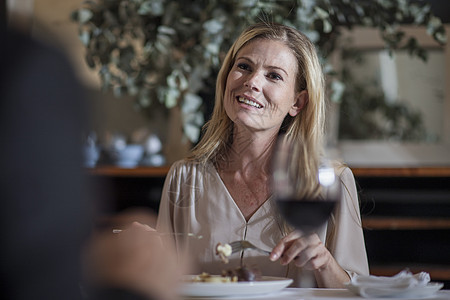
<point>253,82</point>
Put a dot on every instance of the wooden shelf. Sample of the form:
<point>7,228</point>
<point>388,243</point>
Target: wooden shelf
<point>363,172</point>
<point>402,172</point>
<point>405,223</point>
<point>130,172</point>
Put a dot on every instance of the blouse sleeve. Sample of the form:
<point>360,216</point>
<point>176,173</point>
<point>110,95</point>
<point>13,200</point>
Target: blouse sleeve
<point>345,240</point>
<point>165,212</point>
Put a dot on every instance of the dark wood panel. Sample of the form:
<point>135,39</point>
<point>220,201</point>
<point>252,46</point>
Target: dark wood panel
<point>403,172</point>
<point>359,172</point>
<point>405,223</point>
<point>114,171</point>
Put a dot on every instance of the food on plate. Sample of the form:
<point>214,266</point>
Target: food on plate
<point>231,275</point>
<point>223,250</point>
<point>243,273</point>
<point>205,277</point>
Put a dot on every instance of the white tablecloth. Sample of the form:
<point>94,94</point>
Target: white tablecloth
<point>324,294</point>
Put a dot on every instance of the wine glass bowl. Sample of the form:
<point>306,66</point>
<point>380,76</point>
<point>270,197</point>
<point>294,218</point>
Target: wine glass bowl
<point>305,195</point>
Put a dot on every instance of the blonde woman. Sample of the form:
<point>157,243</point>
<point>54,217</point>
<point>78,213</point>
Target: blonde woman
<point>270,82</point>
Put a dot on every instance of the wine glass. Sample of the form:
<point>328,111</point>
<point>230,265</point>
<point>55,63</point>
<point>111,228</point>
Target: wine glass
<point>305,196</point>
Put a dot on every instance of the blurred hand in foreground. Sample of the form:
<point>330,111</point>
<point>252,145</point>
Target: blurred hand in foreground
<point>135,259</point>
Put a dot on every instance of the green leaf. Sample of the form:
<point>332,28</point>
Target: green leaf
<point>433,24</point>
<point>321,13</point>
<point>199,119</point>
<point>213,48</point>
<point>133,90</point>
<point>441,37</point>
<point>160,47</point>
<point>151,7</point>
<point>327,26</point>
<point>163,42</point>
<point>177,80</point>
<point>191,131</point>
<point>85,37</point>
<point>367,21</point>
<point>84,15</point>
<point>166,30</point>
<point>359,10</point>
<point>213,26</point>
<point>337,88</point>
<point>313,35</point>
<point>171,97</point>
<point>191,103</point>
<point>145,100</point>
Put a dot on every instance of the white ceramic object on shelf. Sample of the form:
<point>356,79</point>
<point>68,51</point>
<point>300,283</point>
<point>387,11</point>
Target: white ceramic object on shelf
<point>91,155</point>
<point>129,156</point>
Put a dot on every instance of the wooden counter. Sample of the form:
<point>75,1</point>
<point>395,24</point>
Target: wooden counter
<point>357,171</point>
<point>402,171</point>
<point>114,171</point>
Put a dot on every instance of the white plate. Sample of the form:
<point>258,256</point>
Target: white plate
<point>266,284</point>
<point>417,292</point>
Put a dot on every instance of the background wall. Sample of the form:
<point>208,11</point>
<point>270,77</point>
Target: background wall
<point>396,154</point>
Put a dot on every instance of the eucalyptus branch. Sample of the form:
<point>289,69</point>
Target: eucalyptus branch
<point>164,52</point>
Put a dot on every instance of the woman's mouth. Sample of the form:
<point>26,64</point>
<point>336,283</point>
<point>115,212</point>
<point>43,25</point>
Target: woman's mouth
<point>249,102</point>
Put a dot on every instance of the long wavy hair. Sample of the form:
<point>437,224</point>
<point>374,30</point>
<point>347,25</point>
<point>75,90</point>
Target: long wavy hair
<point>307,127</point>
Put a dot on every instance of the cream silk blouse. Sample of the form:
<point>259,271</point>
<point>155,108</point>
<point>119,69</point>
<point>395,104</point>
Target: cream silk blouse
<point>195,200</point>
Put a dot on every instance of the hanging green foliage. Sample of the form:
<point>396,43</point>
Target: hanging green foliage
<point>166,53</point>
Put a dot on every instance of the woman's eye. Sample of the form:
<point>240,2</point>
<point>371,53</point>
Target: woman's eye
<point>243,66</point>
<point>275,76</point>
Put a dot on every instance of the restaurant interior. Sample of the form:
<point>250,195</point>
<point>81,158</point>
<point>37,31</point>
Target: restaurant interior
<point>403,181</point>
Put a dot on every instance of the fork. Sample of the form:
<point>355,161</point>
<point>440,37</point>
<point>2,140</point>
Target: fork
<point>189,234</point>
<point>238,246</point>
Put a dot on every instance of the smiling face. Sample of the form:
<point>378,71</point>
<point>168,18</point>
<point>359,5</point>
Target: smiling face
<point>260,88</point>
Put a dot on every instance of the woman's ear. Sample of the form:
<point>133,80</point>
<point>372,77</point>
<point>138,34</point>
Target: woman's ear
<point>300,101</point>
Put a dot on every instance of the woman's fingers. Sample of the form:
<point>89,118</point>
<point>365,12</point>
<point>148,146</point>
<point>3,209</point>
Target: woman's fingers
<point>307,251</point>
<point>296,248</point>
<point>284,244</point>
<point>306,257</point>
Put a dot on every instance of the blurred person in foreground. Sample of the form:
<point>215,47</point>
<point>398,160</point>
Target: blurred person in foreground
<point>271,82</point>
<point>47,213</point>
<point>135,263</point>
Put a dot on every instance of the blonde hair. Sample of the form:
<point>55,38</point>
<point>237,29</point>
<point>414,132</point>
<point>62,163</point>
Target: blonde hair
<point>307,126</point>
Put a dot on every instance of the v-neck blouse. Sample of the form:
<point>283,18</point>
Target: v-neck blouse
<point>195,200</point>
<point>230,197</point>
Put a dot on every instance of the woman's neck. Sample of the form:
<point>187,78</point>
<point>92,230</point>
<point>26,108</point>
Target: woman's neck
<point>250,153</point>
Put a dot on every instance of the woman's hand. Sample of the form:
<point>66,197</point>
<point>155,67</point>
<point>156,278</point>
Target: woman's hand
<point>308,252</point>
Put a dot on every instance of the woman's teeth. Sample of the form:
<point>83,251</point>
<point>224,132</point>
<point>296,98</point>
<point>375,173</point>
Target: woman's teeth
<point>249,102</point>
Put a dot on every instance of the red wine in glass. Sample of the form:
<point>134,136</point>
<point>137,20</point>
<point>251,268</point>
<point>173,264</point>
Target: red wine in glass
<point>305,203</point>
<point>306,215</point>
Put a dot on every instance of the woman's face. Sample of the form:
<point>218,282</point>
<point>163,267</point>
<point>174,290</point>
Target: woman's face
<point>260,88</point>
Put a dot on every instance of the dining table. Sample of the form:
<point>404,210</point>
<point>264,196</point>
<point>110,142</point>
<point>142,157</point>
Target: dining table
<point>316,294</point>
